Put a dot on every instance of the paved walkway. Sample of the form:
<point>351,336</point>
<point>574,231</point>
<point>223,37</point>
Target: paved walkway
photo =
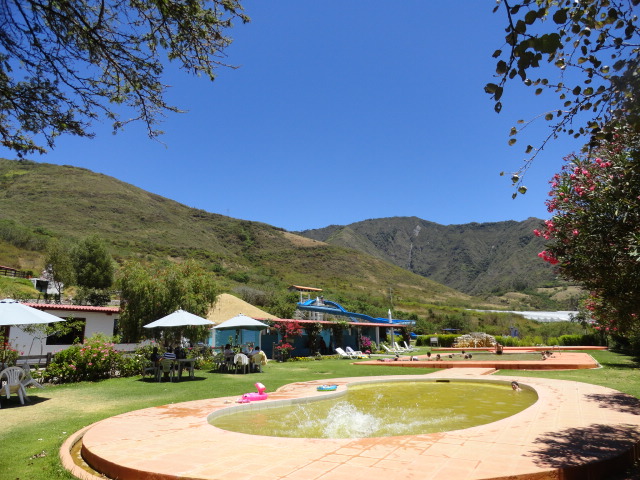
<point>574,431</point>
<point>558,361</point>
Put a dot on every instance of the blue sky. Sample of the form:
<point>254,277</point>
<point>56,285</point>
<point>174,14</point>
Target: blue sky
<point>340,111</point>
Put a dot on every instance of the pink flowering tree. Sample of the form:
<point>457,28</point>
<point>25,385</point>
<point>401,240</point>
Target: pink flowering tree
<point>594,233</point>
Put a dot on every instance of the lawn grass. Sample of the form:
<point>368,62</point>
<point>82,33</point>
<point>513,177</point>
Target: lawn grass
<point>31,435</point>
<point>620,372</point>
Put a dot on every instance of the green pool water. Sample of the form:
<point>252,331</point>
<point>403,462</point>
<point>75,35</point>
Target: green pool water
<point>386,409</point>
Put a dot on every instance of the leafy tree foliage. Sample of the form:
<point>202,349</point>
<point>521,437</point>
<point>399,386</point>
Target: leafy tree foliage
<point>149,293</point>
<point>593,48</point>
<point>93,264</point>
<point>94,271</point>
<point>65,63</point>
<point>593,234</point>
<point>59,268</point>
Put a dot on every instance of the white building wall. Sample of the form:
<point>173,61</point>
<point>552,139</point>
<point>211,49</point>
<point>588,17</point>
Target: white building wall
<point>96,322</point>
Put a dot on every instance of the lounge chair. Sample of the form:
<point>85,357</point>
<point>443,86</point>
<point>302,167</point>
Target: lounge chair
<point>342,353</point>
<point>389,351</point>
<point>398,348</point>
<point>355,353</point>
<point>410,348</point>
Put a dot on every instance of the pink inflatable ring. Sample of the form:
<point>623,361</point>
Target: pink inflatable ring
<point>253,396</point>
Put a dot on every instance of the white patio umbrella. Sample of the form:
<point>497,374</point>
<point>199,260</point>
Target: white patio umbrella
<point>242,322</point>
<point>13,312</point>
<point>179,318</point>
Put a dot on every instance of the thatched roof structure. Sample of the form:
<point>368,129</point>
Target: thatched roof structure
<point>227,306</point>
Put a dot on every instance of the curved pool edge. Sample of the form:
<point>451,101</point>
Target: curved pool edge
<point>66,458</point>
<point>527,445</point>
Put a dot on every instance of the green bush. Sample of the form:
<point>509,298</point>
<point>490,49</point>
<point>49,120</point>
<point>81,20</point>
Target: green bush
<point>579,340</point>
<point>8,356</point>
<point>532,341</point>
<point>94,359</point>
<point>445,340</point>
<point>507,341</point>
<point>203,355</point>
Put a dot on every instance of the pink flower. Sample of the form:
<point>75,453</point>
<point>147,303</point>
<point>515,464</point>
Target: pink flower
<point>547,257</point>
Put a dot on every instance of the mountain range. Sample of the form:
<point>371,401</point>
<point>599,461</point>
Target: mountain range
<point>475,258</point>
<point>416,262</point>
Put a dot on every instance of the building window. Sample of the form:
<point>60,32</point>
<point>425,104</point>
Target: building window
<point>69,338</point>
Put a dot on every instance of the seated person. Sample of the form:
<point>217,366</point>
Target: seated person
<point>248,350</point>
<point>228,353</point>
<point>155,356</point>
<point>180,353</point>
<point>169,354</point>
<point>258,358</point>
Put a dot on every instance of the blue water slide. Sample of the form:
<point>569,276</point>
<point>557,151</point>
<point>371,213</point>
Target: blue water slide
<point>333,308</point>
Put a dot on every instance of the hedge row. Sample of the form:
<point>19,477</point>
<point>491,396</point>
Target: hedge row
<point>564,340</point>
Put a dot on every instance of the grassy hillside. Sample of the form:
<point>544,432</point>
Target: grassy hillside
<point>42,201</point>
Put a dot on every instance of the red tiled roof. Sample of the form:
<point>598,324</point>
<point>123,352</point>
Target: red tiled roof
<point>73,308</point>
<point>306,289</point>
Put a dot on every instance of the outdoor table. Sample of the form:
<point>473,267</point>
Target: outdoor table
<point>184,363</point>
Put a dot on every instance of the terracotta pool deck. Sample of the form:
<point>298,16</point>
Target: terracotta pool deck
<point>574,431</point>
<point>558,361</point>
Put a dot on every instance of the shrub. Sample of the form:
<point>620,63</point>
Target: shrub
<point>579,340</point>
<point>443,340</point>
<point>93,360</point>
<point>507,341</point>
<point>8,356</point>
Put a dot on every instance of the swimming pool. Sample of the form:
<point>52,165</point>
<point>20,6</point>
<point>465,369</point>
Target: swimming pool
<point>383,409</point>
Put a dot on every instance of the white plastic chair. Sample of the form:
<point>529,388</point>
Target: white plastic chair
<point>12,378</point>
<point>166,367</point>
<point>433,342</point>
<point>257,361</point>
<point>28,379</point>
<point>241,362</point>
